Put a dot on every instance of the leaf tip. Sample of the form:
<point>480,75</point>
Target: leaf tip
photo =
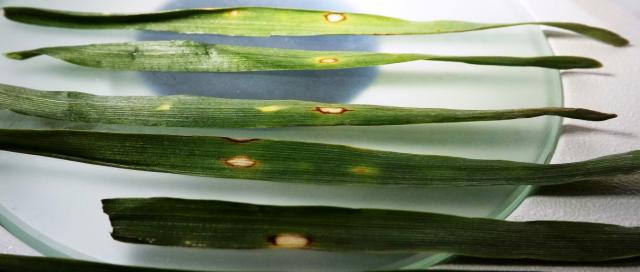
<point>12,55</point>
<point>614,39</point>
<point>611,38</point>
<point>590,115</point>
<point>618,41</point>
<point>607,116</point>
<point>572,62</point>
<point>596,63</point>
<point>21,55</point>
<point>597,33</point>
<point>602,116</point>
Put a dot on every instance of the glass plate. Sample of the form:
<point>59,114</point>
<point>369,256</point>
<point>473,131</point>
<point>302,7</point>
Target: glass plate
<point>54,205</point>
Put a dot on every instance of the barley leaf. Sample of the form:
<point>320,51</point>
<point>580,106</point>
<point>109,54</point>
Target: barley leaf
<point>209,112</point>
<point>300,162</point>
<point>191,56</point>
<point>264,21</point>
<point>228,225</point>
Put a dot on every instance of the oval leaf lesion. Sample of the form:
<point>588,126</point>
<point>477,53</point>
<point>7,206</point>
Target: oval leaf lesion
<point>328,60</point>
<point>335,17</point>
<point>331,110</point>
<point>164,106</point>
<point>241,162</point>
<point>289,241</point>
<point>364,170</point>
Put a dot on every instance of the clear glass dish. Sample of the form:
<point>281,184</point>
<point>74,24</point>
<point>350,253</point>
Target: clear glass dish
<point>54,205</point>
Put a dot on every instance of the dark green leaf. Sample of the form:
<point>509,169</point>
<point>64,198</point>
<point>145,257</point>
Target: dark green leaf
<point>227,225</point>
<point>300,162</point>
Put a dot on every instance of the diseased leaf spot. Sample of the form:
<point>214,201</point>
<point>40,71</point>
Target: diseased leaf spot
<point>328,60</point>
<point>134,53</point>
<point>193,244</point>
<point>289,240</point>
<point>331,110</point>
<point>164,107</point>
<point>335,17</point>
<point>272,108</point>
<point>234,12</point>
<point>241,162</point>
<point>240,140</point>
<point>364,170</point>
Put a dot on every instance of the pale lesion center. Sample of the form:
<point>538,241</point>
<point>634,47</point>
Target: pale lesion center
<point>334,17</point>
<point>289,240</point>
<point>241,162</point>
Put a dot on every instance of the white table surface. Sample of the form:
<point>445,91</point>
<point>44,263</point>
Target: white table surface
<point>615,88</point>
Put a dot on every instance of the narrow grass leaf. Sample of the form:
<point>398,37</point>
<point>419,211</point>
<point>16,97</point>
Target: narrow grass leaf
<point>209,112</point>
<point>228,225</point>
<point>191,56</point>
<point>300,162</point>
<point>265,21</point>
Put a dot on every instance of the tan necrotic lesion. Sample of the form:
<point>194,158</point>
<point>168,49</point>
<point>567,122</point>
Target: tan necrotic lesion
<point>333,17</point>
<point>331,110</point>
<point>364,170</point>
<point>328,60</point>
<point>289,240</point>
<point>241,162</point>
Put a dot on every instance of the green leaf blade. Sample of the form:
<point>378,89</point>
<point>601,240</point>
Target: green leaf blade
<point>191,56</point>
<point>595,33</point>
<point>228,225</point>
<point>300,162</point>
<point>209,112</point>
<point>264,21</point>
<point>554,62</point>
